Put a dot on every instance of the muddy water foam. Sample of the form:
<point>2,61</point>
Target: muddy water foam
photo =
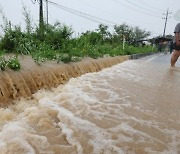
<point>132,107</point>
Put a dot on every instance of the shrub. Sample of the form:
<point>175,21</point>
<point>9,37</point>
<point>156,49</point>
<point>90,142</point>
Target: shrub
<point>64,58</point>
<point>10,40</point>
<point>92,38</point>
<point>14,63</point>
<point>57,35</point>
<point>43,52</point>
<point>3,63</point>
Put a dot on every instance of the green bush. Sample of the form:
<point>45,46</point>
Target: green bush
<point>92,38</point>
<point>64,58</point>
<point>57,35</point>
<point>3,63</point>
<point>16,41</point>
<point>26,45</point>
<point>14,63</point>
<point>43,52</point>
<point>10,40</point>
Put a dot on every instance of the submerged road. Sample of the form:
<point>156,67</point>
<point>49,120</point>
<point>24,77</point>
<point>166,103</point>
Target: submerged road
<point>161,58</point>
<point>132,107</point>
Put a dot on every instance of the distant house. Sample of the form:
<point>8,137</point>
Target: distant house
<point>162,40</point>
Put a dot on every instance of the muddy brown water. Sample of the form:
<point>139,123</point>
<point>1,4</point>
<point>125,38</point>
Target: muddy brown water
<point>33,77</point>
<point>132,107</point>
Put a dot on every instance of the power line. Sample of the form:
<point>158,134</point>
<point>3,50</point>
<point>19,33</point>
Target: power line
<point>83,15</point>
<point>130,21</point>
<point>132,8</point>
<point>139,6</point>
<point>152,6</point>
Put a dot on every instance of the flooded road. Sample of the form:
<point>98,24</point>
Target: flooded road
<point>132,107</point>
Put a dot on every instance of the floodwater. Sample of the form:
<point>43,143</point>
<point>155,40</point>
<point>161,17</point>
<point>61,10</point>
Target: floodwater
<point>132,107</point>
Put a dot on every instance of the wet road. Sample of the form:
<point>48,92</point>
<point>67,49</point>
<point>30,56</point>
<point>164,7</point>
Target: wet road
<point>132,107</point>
<point>160,58</point>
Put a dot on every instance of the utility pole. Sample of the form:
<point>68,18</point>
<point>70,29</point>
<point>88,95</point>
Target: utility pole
<point>167,13</point>
<point>124,40</point>
<point>47,11</point>
<point>41,20</point>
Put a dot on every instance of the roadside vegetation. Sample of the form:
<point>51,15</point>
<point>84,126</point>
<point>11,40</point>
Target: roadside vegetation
<point>58,44</point>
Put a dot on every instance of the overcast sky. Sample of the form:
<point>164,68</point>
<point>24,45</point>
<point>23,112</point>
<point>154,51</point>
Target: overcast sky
<point>147,14</point>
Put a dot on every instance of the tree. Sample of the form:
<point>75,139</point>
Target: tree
<point>103,31</point>
<point>57,35</point>
<point>124,31</point>
<point>140,34</point>
<point>131,34</point>
<point>91,37</point>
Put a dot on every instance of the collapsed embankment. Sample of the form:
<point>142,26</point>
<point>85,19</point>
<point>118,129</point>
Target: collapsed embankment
<point>32,77</point>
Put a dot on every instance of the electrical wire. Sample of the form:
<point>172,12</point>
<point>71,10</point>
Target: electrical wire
<point>83,15</point>
<point>132,8</point>
<point>109,13</point>
<point>139,6</point>
<point>152,6</point>
<point>87,16</point>
<point>130,21</point>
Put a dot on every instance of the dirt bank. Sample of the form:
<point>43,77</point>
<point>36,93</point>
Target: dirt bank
<point>33,77</point>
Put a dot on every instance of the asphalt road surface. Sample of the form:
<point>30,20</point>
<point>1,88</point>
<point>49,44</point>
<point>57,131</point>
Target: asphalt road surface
<point>161,58</point>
